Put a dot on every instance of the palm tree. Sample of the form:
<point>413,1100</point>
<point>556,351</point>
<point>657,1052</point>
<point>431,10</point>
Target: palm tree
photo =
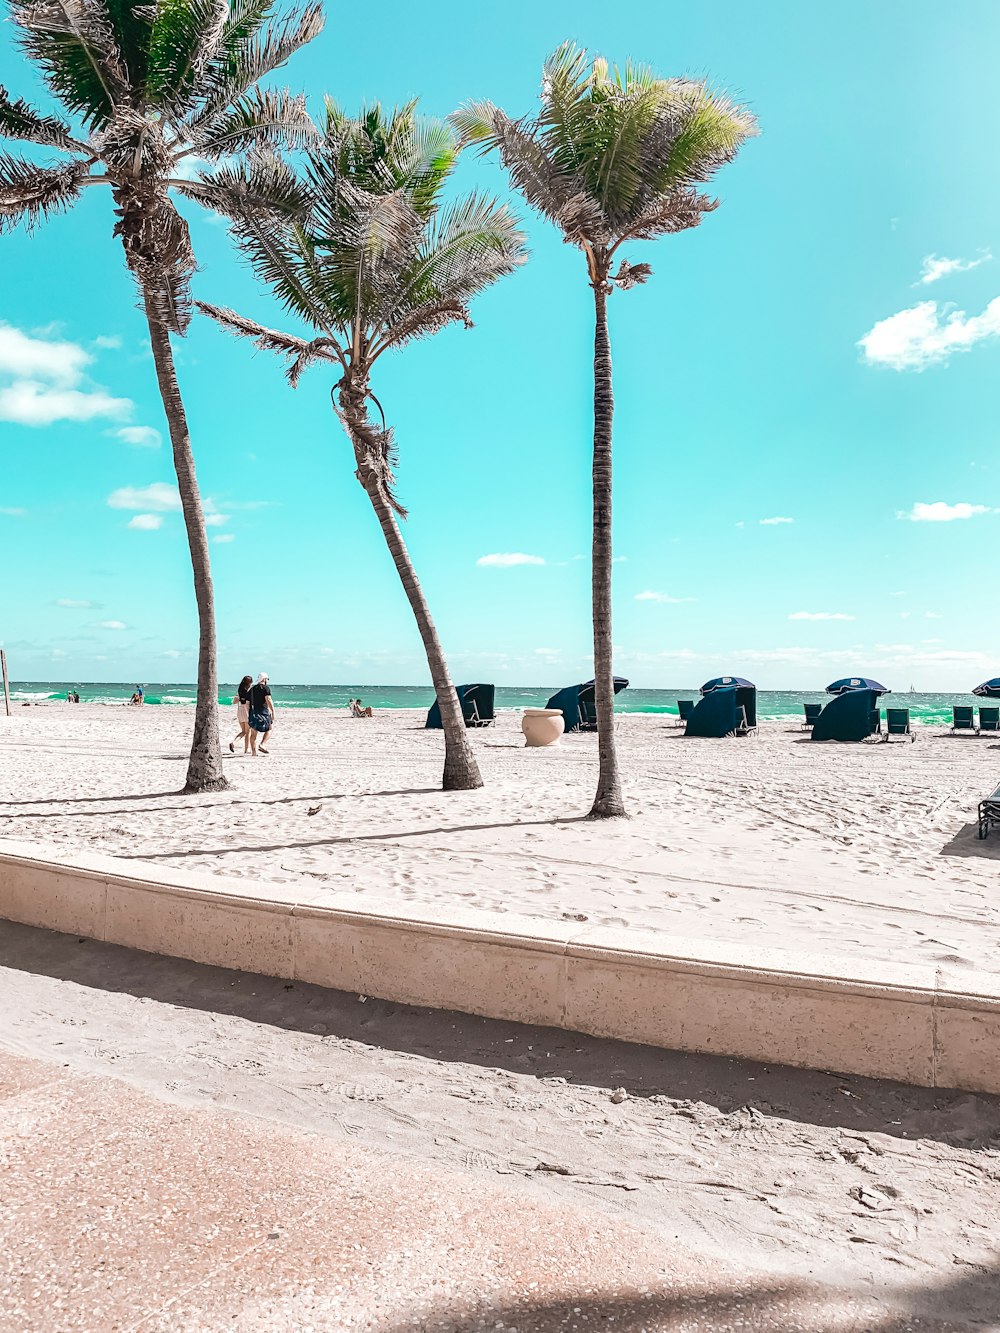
<point>151,85</point>
<point>612,156</point>
<point>359,246</point>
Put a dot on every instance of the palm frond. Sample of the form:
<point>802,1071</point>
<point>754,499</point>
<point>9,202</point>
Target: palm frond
<point>299,352</point>
<point>712,132</point>
<point>184,39</point>
<point>467,247</point>
<point>18,120</point>
<point>73,42</point>
<point>131,24</point>
<point>29,193</point>
<point>268,205</point>
<point>420,322</point>
<point>261,119</point>
<point>674,211</point>
<point>243,62</point>
<point>557,193</point>
<point>631,275</point>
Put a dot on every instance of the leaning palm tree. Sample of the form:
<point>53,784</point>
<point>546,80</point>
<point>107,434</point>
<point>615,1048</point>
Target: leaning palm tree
<point>612,156</point>
<point>154,87</point>
<point>359,246</point>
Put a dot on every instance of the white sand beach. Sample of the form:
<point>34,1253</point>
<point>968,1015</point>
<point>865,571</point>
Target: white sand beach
<point>773,841</point>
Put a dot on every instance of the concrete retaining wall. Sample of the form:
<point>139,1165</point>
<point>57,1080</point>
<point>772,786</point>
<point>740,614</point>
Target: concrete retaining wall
<point>924,1025</point>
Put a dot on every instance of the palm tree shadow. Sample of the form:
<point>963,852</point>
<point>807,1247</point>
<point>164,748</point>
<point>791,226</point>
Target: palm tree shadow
<point>164,795</point>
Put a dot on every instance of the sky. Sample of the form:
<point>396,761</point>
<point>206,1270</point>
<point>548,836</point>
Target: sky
<point>807,442</point>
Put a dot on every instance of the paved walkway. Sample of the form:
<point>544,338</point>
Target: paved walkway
<point>119,1211</point>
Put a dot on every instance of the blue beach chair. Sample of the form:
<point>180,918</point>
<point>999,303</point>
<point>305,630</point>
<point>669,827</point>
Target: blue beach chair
<point>897,723</point>
<point>963,719</point>
<point>812,713</point>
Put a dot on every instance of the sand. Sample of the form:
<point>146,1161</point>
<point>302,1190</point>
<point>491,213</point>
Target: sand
<point>771,841</point>
<point>888,1192</point>
<point>743,1188</point>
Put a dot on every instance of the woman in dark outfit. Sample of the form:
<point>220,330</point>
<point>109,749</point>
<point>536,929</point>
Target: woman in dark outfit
<point>242,702</point>
<point>261,713</point>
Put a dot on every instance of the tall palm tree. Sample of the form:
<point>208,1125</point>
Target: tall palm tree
<point>151,85</point>
<point>612,156</point>
<point>359,246</point>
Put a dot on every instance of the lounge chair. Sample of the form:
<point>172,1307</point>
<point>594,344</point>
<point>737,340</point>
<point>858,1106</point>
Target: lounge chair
<point>588,714</point>
<point>989,719</point>
<point>989,813</point>
<point>963,719</point>
<point>897,723</point>
<point>685,707</point>
<point>812,713</point>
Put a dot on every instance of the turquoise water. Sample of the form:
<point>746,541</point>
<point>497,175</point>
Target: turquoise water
<point>771,704</point>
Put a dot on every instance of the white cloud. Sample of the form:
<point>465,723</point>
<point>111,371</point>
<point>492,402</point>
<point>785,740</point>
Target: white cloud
<point>161,496</point>
<point>618,559</point>
<point>143,437</point>
<point>24,357</point>
<point>926,335</point>
<point>939,512</point>
<point>108,343</point>
<point>31,403</point>
<point>773,522</point>
<point>225,537</point>
<point>932,640</point>
<point>111,624</point>
<point>212,519</point>
<point>504,560</point>
<point>819,615</point>
<point>932,615</point>
<point>76,605</point>
<point>43,381</point>
<point>145,522</point>
<point>12,511</point>
<point>936,266</point>
<point>649,596</point>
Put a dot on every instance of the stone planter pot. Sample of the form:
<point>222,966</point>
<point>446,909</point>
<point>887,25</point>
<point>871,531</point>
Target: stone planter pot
<point>542,726</point>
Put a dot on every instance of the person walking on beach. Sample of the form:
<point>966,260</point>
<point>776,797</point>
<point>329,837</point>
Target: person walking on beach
<point>242,702</point>
<point>261,713</point>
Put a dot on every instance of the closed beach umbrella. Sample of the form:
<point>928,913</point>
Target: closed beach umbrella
<point>856,683</point>
<point>727,683</point>
<point>990,689</point>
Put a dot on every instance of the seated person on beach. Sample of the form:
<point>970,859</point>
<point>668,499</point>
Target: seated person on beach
<point>136,699</point>
<point>358,709</point>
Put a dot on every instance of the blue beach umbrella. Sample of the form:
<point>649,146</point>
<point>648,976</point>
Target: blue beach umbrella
<point>727,683</point>
<point>990,689</point>
<point>856,683</point>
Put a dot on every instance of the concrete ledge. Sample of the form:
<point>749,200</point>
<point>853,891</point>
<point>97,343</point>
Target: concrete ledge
<point>921,1025</point>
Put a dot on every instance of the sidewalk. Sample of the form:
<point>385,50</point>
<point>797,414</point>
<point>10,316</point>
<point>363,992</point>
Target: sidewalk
<point>122,1212</point>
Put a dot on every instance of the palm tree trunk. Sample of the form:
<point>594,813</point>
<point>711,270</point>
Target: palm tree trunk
<point>608,801</point>
<point>205,763</point>
<point>461,772</point>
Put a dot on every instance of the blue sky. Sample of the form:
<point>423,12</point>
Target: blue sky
<point>822,351</point>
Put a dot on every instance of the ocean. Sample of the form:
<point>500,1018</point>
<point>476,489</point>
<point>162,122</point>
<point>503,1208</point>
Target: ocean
<point>772,705</point>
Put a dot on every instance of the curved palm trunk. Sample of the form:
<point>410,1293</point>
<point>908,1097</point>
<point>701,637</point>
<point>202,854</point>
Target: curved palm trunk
<point>608,801</point>
<point>461,772</point>
<point>205,764</point>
